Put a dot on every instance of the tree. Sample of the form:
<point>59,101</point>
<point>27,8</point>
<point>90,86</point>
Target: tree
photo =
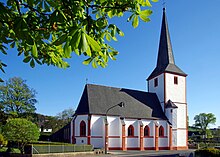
<point>203,120</point>
<point>66,115</point>
<point>16,97</point>
<point>48,31</point>
<point>21,131</point>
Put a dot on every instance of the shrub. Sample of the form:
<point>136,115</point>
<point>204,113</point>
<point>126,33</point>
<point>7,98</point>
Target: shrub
<point>3,141</point>
<point>207,152</point>
<point>21,131</point>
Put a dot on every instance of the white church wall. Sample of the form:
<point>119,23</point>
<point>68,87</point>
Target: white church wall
<point>174,120</point>
<point>97,142</point>
<point>149,141</point>
<point>97,131</point>
<point>132,142</point>
<point>115,132</point>
<point>163,141</point>
<point>164,124</point>
<point>181,141</point>
<point>159,90</point>
<point>80,140</point>
<point>174,138</point>
<point>97,126</point>
<point>175,92</point>
<point>168,114</point>
<point>181,119</point>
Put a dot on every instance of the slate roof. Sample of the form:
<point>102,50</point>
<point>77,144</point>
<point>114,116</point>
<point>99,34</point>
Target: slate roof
<point>165,59</point>
<point>97,99</point>
<point>170,104</point>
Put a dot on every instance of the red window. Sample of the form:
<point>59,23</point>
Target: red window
<point>175,80</point>
<point>82,128</point>
<point>155,82</point>
<point>130,130</point>
<point>161,131</point>
<point>146,131</point>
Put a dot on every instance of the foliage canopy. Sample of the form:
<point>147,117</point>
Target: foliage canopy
<point>48,31</point>
<point>21,131</point>
<point>16,97</point>
<point>203,120</point>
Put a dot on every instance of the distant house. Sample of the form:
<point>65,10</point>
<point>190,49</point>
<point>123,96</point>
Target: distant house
<point>47,130</point>
<point>152,120</point>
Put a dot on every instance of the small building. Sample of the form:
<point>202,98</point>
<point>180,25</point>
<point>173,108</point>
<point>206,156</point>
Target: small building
<point>152,120</point>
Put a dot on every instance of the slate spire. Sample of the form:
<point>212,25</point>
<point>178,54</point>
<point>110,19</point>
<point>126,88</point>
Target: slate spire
<point>165,58</point>
<point>165,54</point>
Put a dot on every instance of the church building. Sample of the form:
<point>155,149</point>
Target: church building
<point>127,119</point>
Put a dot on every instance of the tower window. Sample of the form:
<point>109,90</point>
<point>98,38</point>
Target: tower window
<point>155,82</point>
<point>175,80</point>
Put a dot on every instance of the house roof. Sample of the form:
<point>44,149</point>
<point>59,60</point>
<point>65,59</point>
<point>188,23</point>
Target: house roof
<point>97,99</point>
<point>165,59</point>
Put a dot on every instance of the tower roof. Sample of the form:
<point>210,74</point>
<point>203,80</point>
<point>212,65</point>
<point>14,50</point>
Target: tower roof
<point>165,59</point>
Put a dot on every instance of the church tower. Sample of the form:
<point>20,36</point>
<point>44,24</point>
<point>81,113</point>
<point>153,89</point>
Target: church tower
<point>168,81</point>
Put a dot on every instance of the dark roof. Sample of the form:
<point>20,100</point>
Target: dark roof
<point>165,59</point>
<point>98,99</point>
<point>170,104</point>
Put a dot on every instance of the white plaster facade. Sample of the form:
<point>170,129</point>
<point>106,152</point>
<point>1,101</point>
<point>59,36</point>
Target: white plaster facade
<point>168,90</point>
<point>115,124</point>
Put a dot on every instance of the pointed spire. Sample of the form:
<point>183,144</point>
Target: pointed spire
<point>165,59</point>
<point>165,54</point>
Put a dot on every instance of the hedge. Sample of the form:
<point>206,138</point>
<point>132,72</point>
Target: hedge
<point>207,152</point>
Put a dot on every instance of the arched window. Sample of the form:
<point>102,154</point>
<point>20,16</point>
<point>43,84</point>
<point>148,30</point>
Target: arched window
<point>161,131</point>
<point>82,128</point>
<point>130,130</point>
<point>146,131</point>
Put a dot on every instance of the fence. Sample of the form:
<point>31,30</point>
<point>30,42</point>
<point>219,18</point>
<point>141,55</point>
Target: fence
<point>45,149</point>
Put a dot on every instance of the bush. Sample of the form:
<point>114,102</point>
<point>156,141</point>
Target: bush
<point>207,152</point>
<point>3,141</point>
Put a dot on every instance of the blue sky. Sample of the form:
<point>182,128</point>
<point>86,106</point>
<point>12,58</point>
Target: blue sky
<point>195,32</point>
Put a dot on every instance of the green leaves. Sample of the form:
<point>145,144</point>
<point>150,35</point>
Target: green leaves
<point>47,32</point>
<point>143,14</point>
<point>34,50</point>
<point>135,21</point>
<point>21,131</point>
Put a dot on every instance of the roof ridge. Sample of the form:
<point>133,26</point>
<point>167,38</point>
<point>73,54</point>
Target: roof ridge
<point>117,87</point>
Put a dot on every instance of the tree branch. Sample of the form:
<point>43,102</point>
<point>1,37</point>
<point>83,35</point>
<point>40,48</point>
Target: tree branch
<point>18,7</point>
<point>33,9</point>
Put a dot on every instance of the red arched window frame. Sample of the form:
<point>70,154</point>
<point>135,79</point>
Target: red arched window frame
<point>146,131</point>
<point>131,130</point>
<point>82,128</point>
<point>161,131</point>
